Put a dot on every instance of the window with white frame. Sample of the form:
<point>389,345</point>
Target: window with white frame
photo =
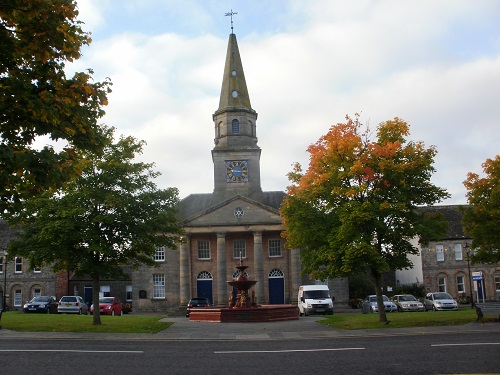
<point>37,270</point>
<point>458,251</point>
<point>274,247</point>
<point>160,254</point>
<point>128,291</point>
<point>203,249</point>
<point>18,297</point>
<point>158,285</point>
<point>497,283</point>
<point>460,284</point>
<point>441,284</point>
<point>439,253</point>
<point>239,249</point>
<point>105,291</point>
<point>18,262</point>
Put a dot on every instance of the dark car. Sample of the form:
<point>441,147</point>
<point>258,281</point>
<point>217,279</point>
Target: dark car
<point>197,302</point>
<point>41,304</point>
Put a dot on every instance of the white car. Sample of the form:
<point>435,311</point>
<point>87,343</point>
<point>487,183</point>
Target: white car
<point>439,301</point>
<point>72,305</point>
<point>370,304</point>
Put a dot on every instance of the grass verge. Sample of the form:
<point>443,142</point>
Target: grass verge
<point>20,322</point>
<point>403,320</point>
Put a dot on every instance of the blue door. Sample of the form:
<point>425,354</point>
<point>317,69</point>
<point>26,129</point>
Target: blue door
<point>204,289</point>
<point>276,290</point>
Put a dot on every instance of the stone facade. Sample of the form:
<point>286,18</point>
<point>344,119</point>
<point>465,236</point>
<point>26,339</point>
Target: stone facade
<point>445,266</point>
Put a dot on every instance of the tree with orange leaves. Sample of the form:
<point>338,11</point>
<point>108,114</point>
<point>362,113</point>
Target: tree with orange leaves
<point>356,207</point>
<point>482,218</point>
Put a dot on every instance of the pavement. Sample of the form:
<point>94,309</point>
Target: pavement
<point>304,328</point>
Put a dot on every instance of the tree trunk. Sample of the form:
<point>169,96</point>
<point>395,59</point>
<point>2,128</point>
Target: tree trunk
<point>96,284</point>
<point>380,302</point>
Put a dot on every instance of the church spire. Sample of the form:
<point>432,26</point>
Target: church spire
<point>234,92</point>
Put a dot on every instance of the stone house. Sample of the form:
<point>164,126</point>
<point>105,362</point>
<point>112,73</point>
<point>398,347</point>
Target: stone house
<point>446,268</point>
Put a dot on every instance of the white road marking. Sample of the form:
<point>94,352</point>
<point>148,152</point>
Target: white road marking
<point>469,344</point>
<point>284,351</point>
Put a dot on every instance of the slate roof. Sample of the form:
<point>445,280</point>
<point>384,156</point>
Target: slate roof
<point>195,204</point>
<point>453,215</point>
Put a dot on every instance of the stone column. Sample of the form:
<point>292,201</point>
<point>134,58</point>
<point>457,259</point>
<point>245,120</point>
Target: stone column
<point>295,274</point>
<point>184,273</point>
<point>221,270</point>
<point>258,265</point>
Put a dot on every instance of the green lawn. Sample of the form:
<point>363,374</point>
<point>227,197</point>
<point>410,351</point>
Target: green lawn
<point>404,320</point>
<point>20,322</point>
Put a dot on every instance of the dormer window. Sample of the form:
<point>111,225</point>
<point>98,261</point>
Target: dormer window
<point>235,127</point>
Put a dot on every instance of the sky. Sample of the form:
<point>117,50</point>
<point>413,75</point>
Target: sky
<point>307,64</point>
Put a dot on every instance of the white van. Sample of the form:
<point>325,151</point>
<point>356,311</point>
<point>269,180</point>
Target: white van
<point>315,299</point>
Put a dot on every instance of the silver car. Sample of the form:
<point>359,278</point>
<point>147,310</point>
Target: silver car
<point>439,301</point>
<point>407,302</point>
<point>370,304</point>
<point>72,305</point>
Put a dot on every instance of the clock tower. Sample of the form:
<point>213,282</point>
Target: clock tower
<point>236,155</point>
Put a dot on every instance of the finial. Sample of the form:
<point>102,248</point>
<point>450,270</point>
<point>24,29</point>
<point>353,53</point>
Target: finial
<point>231,13</point>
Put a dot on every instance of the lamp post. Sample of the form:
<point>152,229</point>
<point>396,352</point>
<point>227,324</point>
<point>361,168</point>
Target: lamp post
<point>4,281</point>
<point>467,251</point>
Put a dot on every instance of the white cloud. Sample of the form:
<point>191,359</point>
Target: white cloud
<point>415,60</point>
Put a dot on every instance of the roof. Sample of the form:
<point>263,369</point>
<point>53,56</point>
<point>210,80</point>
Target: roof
<point>453,216</point>
<point>195,204</point>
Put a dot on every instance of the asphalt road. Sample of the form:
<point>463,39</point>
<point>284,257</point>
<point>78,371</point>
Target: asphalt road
<point>446,353</point>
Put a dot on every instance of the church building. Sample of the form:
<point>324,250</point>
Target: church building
<point>238,221</point>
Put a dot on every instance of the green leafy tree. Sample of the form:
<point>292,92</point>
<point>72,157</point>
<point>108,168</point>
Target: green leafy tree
<point>481,219</point>
<point>110,216</point>
<point>38,102</point>
<point>356,207</point>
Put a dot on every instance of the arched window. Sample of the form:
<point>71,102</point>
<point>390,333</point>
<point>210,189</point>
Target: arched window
<point>235,127</point>
<point>204,275</point>
<point>276,273</point>
<point>237,273</point>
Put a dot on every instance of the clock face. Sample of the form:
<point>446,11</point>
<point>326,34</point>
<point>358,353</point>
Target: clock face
<point>236,171</point>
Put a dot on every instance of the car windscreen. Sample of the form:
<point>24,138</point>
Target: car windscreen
<point>316,294</point>
<point>442,296</point>
<point>68,299</point>
<point>407,298</point>
<point>40,299</point>
<point>105,300</point>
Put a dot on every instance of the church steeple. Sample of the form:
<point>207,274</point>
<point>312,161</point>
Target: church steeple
<point>234,92</point>
<point>236,155</point>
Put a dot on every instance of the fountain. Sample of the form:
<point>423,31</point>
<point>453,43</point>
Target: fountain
<point>245,308</point>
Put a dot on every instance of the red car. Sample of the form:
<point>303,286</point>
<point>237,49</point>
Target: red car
<point>109,306</point>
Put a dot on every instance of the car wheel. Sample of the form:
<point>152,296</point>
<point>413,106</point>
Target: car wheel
<point>434,308</point>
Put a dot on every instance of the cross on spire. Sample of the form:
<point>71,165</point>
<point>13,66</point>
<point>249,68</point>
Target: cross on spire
<point>231,14</point>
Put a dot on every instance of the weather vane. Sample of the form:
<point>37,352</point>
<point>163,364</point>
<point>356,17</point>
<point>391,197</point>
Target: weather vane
<point>231,14</point>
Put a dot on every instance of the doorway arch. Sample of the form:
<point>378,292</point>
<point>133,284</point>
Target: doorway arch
<point>204,285</point>
<point>276,281</point>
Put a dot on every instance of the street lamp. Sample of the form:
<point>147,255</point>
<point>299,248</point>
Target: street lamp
<point>4,281</point>
<point>467,251</point>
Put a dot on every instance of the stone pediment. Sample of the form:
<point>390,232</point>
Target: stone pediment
<point>236,211</point>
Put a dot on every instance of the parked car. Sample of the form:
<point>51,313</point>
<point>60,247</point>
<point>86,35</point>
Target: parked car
<point>439,301</point>
<point>42,304</point>
<point>109,306</point>
<point>72,305</point>
<point>197,302</point>
<point>407,302</point>
<point>370,304</point>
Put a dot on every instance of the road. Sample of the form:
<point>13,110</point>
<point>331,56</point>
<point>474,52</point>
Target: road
<point>399,354</point>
